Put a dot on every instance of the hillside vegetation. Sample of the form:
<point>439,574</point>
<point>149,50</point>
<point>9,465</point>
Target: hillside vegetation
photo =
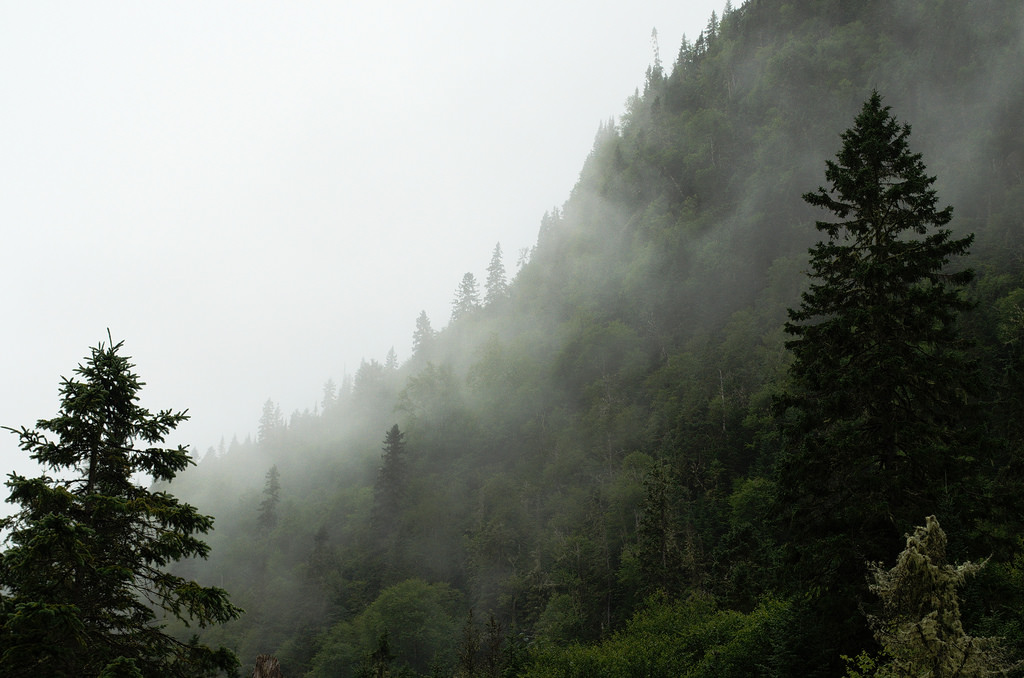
<point>600,465</point>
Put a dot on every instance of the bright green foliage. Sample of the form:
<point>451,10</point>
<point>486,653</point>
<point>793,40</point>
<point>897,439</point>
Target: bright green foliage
<point>872,419</point>
<point>920,626</point>
<point>83,576</point>
<point>688,639</point>
<point>419,620</point>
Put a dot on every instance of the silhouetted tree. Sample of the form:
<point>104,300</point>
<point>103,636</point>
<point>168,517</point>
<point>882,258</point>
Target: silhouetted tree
<point>84,574</point>
<point>870,421</point>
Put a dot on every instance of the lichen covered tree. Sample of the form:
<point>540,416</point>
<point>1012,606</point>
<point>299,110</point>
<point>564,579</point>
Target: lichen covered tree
<point>919,628</point>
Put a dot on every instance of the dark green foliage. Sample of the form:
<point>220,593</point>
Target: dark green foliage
<point>468,650</point>
<point>872,421</point>
<point>660,552</point>
<point>85,575</point>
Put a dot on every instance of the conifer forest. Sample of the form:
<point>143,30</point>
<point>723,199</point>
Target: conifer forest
<point>752,405</point>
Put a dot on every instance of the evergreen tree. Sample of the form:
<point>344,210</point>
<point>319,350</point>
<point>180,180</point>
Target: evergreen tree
<point>423,336</point>
<point>920,628</point>
<point>467,298</point>
<point>330,397</point>
<point>468,649</point>
<point>871,420</point>
<point>271,498</point>
<point>658,552</point>
<point>271,423</point>
<point>83,575</point>
<point>391,360</point>
<point>391,478</point>
<point>497,284</point>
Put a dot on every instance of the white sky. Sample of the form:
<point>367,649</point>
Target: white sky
<point>257,195</point>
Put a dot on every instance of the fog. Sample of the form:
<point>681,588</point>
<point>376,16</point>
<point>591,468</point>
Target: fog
<point>258,196</point>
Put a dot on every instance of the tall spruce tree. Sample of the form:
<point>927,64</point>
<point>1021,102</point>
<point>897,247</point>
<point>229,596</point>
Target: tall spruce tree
<point>82,578</point>
<point>871,421</point>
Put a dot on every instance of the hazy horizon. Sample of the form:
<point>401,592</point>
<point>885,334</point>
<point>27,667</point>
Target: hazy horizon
<point>256,198</point>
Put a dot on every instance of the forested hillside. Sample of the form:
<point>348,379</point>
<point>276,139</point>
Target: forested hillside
<point>608,462</point>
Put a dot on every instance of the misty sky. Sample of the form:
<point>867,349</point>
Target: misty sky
<point>256,196</point>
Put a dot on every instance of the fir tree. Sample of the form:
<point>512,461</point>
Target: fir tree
<point>84,574</point>
<point>871,421</point>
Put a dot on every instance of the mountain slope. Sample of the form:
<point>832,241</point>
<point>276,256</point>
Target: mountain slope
<point>604,432</point>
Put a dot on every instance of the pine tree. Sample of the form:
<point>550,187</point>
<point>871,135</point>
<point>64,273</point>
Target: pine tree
<point>83,574</point>
<point>871,421</point>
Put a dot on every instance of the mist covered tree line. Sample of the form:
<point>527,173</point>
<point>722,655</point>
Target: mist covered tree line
<point>695,434</point>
